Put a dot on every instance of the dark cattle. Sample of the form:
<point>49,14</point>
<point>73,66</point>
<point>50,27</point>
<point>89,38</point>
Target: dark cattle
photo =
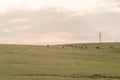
<point>111,46</point>
<point>47,45</point>
<point>85,47</point>
<point>97,47</point>
<point>63,47</point>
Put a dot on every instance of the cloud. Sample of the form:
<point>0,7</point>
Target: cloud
<point>55,25</point>
<point>17,20</point>
<point>50,38</point>
<point>81,6</point>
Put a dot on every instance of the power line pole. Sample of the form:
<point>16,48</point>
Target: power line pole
<point>100,37</point>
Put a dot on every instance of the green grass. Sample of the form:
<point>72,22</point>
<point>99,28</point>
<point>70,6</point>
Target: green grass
<point>18,62</point>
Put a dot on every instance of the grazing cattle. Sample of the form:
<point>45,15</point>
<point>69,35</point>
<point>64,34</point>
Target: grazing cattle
<point>47,45</point>
<point>97,47</point>
<point>63,46</point>
<point>111,46</point>
<point>85,47</point>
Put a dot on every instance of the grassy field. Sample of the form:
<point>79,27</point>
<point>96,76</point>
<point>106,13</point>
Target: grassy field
<point>90,61</point>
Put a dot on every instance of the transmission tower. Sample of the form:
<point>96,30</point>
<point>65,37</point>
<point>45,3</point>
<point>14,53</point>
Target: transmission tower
<point>100,37</point>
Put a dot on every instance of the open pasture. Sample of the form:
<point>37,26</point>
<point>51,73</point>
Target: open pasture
<point>88,61</point>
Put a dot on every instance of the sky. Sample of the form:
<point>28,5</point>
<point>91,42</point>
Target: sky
<point>59,21</point>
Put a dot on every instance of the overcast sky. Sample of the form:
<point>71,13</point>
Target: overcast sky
<point>59,21</point>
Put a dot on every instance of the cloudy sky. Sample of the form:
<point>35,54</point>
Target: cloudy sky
<point>59,21</point>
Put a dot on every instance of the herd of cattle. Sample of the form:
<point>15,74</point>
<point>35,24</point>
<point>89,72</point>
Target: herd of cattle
<point>81,47</point>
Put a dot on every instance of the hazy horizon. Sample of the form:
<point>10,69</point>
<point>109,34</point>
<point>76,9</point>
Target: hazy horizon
<point>59,21</point>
